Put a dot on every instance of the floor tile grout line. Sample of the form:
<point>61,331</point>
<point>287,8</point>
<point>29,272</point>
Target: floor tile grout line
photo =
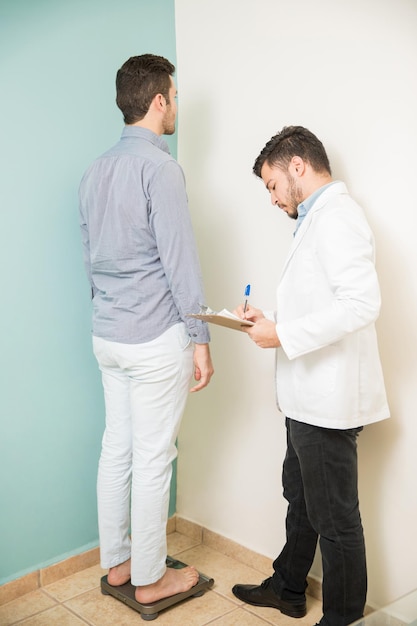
<point>49,608</point>
<point>213,621</point>
<point>203,545</point>
<point>234,604</point>
<point>252,614</point>
<point>247,610</point>
<point>77,595</point>
<point>21,620</point>
<point>175,526</point>
<point>48,594</point>
<point>237,605</point>
<point>83,619</point>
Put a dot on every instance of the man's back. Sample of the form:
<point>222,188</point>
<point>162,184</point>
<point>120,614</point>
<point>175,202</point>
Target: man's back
<point>138,239</point>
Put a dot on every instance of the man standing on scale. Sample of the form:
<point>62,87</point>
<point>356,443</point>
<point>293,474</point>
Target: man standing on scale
<point>144,272</point>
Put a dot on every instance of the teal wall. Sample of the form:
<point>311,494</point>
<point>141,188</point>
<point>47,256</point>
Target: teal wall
<point>58,62</point>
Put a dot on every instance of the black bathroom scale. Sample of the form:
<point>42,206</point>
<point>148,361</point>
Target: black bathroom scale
<point>126,593</point>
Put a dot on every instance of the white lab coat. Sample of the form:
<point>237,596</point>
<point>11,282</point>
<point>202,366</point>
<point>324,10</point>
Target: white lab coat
<point>328,370</point>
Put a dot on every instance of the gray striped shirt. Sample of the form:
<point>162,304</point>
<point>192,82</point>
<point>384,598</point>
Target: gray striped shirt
<point>139,248</point>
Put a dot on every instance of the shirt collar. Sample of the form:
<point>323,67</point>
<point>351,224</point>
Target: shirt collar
<point>305,206</point>
<point>144,133</point>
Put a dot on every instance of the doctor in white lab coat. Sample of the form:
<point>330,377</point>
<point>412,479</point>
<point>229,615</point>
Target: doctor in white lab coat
<point>329,378</point>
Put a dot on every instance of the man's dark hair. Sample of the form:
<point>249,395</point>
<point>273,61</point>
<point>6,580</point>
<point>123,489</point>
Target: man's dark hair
<point>138,81</point>
<point>289,142</point>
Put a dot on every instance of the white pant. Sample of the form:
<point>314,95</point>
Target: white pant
<point>145,391</point>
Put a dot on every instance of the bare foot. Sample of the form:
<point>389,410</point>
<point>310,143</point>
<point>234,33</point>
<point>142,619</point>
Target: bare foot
<point>172,582</point>
<point>120,574</point>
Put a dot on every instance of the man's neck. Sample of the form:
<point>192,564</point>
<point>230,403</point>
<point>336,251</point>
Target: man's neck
<point>319,180</point>
<point>150,124</point>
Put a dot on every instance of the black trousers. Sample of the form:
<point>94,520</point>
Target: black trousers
<point>320,482</point>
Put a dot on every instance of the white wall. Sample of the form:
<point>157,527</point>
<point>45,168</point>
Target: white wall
<point>347,71</point>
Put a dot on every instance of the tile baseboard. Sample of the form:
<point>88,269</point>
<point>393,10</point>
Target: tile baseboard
<point>230,548</point>
<point>31,582</point>
<point>45,576</point>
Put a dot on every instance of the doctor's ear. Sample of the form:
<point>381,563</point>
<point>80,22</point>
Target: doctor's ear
<point>297,166</point>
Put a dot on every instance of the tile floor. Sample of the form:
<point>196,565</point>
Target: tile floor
<point>77,599</point>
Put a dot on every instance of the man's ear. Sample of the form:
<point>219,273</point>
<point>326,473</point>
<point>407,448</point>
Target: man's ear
<point>297,167</point>
<point>160,102</point>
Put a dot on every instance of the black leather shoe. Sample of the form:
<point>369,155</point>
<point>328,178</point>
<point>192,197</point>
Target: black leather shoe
<point>264,595</point>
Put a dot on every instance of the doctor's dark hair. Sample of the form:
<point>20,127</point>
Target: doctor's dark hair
<point>138,81</point>
<point>289,142</point>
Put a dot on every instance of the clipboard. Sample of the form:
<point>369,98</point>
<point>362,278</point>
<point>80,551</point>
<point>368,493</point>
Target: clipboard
<point>223,318</point>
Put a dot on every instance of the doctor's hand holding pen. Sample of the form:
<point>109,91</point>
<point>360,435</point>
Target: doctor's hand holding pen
<point>246,311</point>
<point>263,332</point>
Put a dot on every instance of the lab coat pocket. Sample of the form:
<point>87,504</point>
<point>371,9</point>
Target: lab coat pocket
<point>316,372</point>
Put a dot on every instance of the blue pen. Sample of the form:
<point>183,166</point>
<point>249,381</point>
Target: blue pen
<point>247,294</point>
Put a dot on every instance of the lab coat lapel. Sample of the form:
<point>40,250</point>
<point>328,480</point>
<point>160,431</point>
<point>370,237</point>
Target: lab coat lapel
<point>337,188</point>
